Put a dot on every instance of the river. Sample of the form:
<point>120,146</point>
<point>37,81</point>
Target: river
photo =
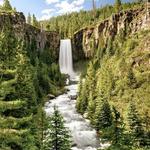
<point>84,137</point>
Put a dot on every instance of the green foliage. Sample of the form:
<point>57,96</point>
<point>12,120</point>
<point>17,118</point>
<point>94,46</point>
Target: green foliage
<point>87,92</point>
<point>34,21</point>
<point>118,127</point>
<point>17,96</point>
<point>29,18</point>
<point>135,125</point>
<point>103,114</point>
<point>118,5</point>
<point>131,79</point>
<point>6,6</point>
<point>57,135</point>
<point>121,76</point>
<point>91,107</point>
<point>66,25</point>
<point>27,75</point>
<point>82,100</point>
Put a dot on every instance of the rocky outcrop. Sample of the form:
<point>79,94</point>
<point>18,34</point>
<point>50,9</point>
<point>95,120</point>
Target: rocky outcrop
<point>77,49</point>
<point>43,39</point>
<point>91,38</point>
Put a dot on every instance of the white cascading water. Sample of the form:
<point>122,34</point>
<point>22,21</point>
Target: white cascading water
<point>84,137</point>
<point>65,57</point>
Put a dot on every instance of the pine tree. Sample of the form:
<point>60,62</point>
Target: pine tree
<point>14,9</point>
<point>103,114</point>
<point>10,126</point>
<point>6,6</point>
<point>146,124</point>
<point>16,95</point>
<point>82,100</point>
<point>78,103</point>
<point>90,77</point>
<point>57,135</point>
<point>34,21</point>
<point>29,19</point>
<point>91,107</point>
<point>118,126</point>
<point>131,79</point>
<point>90,88</point>
<point>109,49</point>
<point>135,125</point>
<point>118,5</point>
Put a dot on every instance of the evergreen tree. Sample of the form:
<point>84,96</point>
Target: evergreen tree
<point>131,79</point>
<point>34,22</point>
<point>89,89</point>
<point>109,49</point>
<point>135,125</point>
<point>9,125</point>
<point>16,95</point>
<point>146,124</point>
<point>117,126</point>
<point>14,9</point>
<point>118,5</point>
<point>6,6</point>
<point>91,107</point>
<point>57,135</point>
<point>90,77</point>
<point>29,19</point>
<point>103,114</point>
<point>78,103</point>
<point>82,100</point>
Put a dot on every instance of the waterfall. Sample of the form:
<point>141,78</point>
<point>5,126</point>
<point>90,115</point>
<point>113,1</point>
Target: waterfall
<point>65,57</point>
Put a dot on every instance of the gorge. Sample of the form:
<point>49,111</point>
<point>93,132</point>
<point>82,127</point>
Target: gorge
<point>78,81</point>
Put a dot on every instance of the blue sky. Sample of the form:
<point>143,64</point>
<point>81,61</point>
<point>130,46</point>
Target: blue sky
<point>44,9</point>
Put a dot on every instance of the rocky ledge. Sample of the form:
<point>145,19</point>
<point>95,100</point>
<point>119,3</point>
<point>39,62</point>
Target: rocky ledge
<point>129,22</point>
<point>43,39</point>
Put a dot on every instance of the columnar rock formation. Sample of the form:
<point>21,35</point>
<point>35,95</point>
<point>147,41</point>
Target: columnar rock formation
<point>43,39</point>
<point>91,38</point>
<point>86,40</point>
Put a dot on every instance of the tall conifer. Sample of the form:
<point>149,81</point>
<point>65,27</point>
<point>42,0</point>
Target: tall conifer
<point>57,135</point>
<point>7,6</point>
<point>103,114</point>
<point>135,125</point>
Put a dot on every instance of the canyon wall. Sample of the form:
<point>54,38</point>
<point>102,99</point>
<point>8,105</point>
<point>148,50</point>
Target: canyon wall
<point>88,39</point>
<point>24,31</point>
<point>84,41</point>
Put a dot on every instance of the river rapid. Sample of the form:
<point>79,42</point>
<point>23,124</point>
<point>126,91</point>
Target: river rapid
<point>84,137</point>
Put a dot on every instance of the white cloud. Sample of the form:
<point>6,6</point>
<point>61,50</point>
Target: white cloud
<point>1,2</point>
<point>66,7</point>
<point>47,14</point>
<point>45,17</point>
<point>61,7</point>
<point>78,2</point>
<point>51,1</point>
<point>47,11</point>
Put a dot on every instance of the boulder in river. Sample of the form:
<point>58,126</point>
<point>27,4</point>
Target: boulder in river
<point>85,115</point>
<point>73,97</point>
<point>50,96</point>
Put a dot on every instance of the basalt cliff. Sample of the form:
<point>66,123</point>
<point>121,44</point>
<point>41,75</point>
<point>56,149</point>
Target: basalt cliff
<point>43,39</point>
<point>87,40</point>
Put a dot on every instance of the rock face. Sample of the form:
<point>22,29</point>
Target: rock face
<point>77,49</point>
<point>43,39</point>
<point>86,40</point>
<point>91,38</point>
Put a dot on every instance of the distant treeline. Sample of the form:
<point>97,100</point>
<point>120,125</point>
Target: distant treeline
<point>68,24</point>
